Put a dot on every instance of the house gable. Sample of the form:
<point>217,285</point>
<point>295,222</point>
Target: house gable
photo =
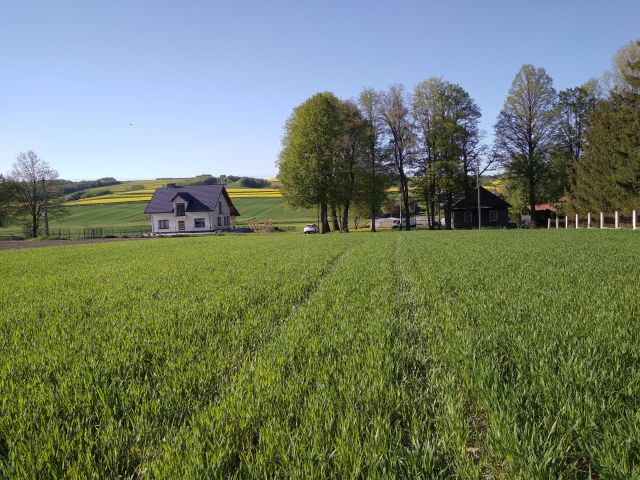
<point>487,200</point>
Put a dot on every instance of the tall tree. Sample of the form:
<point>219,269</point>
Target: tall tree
<point>447,121</point>
<point>608,175</point>
<point>401,137</point>
<point>426,110</point>
<point>7,200</point>
<point>352,147</point>
<point>374,166</point>
<point>526,130</point>
<point>35,183</point>
<point>307,162</point>
<point>575,106</point>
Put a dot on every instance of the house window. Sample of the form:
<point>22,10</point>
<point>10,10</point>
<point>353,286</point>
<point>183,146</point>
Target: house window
<point>468,216</point>
<point>198,223</point>
<point>219,221</point>
<point>163,224</point>
<point>179,209</point>
<point>219,207</point>
<point>493,215</point>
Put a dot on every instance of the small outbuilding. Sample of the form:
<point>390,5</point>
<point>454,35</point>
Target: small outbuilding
<point>195,209</point>
<point>545,211</point>
<point>494,210</point>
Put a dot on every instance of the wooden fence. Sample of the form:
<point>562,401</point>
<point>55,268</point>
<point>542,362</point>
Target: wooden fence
<point>603,220</point>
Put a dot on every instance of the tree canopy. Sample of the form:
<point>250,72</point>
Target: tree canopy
<point>608,176</point>
<point>527,128</point>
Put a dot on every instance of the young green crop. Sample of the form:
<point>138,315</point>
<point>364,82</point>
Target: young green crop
<point>493,354</point>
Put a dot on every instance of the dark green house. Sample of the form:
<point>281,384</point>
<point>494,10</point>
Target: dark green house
<point>494,210</point>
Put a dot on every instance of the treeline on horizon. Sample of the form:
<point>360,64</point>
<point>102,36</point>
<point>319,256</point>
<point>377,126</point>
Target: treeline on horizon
<point>582,142</point>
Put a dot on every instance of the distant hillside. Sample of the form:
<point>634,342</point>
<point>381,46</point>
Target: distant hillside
<point>112,191</point>
<point>131,185</point>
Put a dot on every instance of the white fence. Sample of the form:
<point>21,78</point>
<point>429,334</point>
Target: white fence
<point>604,221</point>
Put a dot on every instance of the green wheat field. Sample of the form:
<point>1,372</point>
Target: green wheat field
<point>492,354</point>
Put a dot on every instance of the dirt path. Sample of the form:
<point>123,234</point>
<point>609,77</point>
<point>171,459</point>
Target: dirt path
<point>13,244</point>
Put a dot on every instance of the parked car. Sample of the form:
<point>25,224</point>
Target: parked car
<point>310,228</point>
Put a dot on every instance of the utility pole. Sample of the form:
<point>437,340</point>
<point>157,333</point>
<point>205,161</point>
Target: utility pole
<point>46,209</point>
<point>478,187</point>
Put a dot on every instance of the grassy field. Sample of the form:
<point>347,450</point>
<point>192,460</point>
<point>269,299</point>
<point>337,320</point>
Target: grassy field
<point>131,214</point>
<point>494,354</point>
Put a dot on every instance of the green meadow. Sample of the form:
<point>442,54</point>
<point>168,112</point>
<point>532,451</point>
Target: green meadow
<point>491,354</point>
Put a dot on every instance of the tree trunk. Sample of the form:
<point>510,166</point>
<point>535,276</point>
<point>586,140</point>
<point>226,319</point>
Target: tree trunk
<point>404,185</point>
<point>432,187</point>
<point>468,218</point>
<point>324,223</point>
<point>373,216</point>
<point>352,181</point>
<point>532,202</point>
<point>447,211</point>
<point>334,219</point>
<point>427,206</point>
<point>34,225</point>
<point>345,216</point>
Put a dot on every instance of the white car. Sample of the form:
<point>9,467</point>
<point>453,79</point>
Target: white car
<point>310,228</point>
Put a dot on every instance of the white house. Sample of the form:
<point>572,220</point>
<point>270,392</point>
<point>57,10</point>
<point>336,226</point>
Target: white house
<point>196,209</point>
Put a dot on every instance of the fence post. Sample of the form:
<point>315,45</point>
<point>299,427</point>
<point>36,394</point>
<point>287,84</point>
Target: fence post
<point>566,221</point>
<point>549,222</point>
<point>557,222</point>
<point>617,221</point>
<point>634,219</point>
<point>576,220</point>
<point>589,220</point>
<point>601,219</point>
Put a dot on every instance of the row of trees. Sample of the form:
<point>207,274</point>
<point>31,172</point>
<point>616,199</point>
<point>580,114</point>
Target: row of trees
<point>338,154</point>
<point>582,142</point>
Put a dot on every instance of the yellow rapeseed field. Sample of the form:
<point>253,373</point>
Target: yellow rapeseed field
<point>146,194</point>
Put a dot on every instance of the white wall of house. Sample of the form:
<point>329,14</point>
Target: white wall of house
<point>213,220</point>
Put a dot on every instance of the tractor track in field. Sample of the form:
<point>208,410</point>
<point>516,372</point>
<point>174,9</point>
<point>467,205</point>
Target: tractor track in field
<point>252,354</point>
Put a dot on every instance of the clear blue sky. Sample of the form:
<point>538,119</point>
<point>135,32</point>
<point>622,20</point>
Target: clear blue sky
<point>208,85</point>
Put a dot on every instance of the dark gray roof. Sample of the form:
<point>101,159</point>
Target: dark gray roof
<point>487,200</point>
<point>200,198</point>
